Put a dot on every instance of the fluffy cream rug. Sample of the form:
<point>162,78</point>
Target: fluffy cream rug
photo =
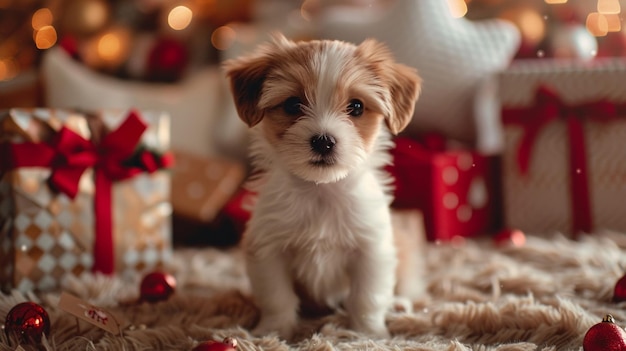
<point>542,296</point>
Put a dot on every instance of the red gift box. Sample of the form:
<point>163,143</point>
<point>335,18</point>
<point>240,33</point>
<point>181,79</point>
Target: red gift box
<point>454,188</point>
<point>239,209</point>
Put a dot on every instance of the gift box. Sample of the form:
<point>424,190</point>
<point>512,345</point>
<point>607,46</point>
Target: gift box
<point>82,192</point>
<point>563,159</point>
<point>454,188</point>
<point>201,188</point>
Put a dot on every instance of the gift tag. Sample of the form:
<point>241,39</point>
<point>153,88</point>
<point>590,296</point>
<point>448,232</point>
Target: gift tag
<point>89,313</point>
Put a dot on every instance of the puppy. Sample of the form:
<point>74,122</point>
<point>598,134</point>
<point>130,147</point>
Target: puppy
<point>321,113</point>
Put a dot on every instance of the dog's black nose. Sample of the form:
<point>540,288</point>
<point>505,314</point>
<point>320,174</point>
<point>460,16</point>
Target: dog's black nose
<point>323,144</point>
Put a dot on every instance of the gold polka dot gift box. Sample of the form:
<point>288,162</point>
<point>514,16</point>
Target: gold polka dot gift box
<point>80,193</point>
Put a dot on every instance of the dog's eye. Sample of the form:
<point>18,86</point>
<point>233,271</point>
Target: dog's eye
<point>355,108</point>
<point>293,106</point>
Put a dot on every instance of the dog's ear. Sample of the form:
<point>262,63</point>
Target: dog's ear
<point>246,76</point>
<point>403,83</point>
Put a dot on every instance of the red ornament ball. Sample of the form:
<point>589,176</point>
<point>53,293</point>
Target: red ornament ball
<point>605,336</point>
<point>507,236</point>
<point>229,344</point>
<point>619,294</point>
<point>70,45</point>
<point>28,322</point>
<point>167,60</point>
<point>157,286</point>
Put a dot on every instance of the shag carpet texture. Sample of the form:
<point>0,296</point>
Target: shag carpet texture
<point>544,295</point>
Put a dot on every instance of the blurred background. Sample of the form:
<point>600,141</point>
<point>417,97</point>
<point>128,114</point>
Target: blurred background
<point>166,55</point>
<point>164,40</point>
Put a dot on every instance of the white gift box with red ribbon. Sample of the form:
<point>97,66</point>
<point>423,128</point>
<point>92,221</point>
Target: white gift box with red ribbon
<point>559,127</point>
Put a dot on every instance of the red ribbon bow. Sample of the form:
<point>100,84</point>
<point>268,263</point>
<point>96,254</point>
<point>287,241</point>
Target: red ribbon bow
<point>69,155</point>
<point>72,158</point>
<point>547,108</point>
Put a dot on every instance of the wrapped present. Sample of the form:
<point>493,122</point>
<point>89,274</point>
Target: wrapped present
<point>201,188</point>
<point>82,193</point>
<point>452,187</point>
<point>563,160</point>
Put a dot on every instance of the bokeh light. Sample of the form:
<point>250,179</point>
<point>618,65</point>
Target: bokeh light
<point>609,7</point>
<point>108,50</point>
<point>458,8</point>
<point>109,46</point>
<point>551,2</point>
<point>95,14</point>
<point>223,37</point>
<point>45,37</point>
<point>179,17</point>
<point>597,24</point>
<point>530,23</point>
<point>41,18</point>
<point>8,69</point>
<point>614,22</point>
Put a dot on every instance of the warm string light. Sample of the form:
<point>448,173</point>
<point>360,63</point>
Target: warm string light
<point>609,7</point>
<point>45,37</point>
<point>223,37</point>
<point>109,49</point>
<point>530,23</point>
<point>179,17</point>
<point>8,69</point>
<point>614,22</point>
<point>597,24</point>
<point>458,8</point>
<point>44,34</point>
<point>606,19</point>
<point>41,18</point>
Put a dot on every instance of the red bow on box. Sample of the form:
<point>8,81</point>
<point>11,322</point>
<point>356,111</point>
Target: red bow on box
<point>549,107</point>
<point>68,156</point>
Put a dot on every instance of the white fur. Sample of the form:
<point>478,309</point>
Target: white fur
<point>333,238</point>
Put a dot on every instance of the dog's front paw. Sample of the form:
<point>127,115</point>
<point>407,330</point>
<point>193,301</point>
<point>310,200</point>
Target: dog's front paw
<point>283,325</point>
<point>373,326</point>
<point>402,305</point>
<point>374,331</point>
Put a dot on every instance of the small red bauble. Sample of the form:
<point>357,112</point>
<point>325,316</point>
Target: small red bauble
<point>507,236</point>
<point>619,294</point>
<point>229,344</point>
<point>28,322</point>
<point>167,60</point>
<point>157,286</point>
<point>70,45</point>
<point>605,336</point>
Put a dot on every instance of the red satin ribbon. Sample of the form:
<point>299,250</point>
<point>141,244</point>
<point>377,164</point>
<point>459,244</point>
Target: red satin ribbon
<point>69,155</point>
<point>549,107</point>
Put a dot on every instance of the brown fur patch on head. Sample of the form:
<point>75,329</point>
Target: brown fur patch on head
<point>247,75</point>
<point>402,82</point>
<point>368,126</point>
